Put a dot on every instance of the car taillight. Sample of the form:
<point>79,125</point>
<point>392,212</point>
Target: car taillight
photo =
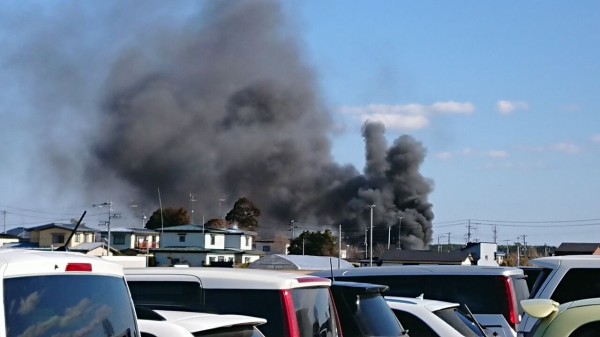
<point>512,302</point>
<point>292,329</point>
<point>78,267</point>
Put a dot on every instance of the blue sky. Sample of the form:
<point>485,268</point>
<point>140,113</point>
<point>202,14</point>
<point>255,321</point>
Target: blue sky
<point>503,95</point>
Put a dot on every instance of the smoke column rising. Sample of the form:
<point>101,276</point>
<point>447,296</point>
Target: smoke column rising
<point>226,106</point>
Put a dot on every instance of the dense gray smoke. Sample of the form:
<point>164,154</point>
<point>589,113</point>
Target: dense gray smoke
<point>226,106</point>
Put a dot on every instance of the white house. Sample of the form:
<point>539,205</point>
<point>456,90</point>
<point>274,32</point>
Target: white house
<point>196,245</point>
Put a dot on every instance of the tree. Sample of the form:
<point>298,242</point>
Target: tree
<point>245,213</point>
<point>170,217</point>
<point>314,243</point>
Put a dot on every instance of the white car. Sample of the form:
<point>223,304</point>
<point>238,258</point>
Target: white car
<point>563,279</point>
<point>193,323</point>
<point>432,318</point>
<point>63,294</point>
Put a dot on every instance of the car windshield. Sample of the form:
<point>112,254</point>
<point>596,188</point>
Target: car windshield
<point>68,305</point>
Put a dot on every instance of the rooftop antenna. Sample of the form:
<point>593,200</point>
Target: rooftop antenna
<point>64,248</point>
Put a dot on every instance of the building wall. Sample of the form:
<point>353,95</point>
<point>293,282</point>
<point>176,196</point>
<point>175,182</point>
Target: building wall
<point>238,241</point>
<point>171,239</point>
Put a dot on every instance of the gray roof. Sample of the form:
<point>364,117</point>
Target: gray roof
<point>413,256</point>
<point>66,226</point>
<point>299,262</point>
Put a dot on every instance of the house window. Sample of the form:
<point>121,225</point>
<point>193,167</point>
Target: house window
<point>221,258</point>
<point>247,240</point>
<point>266,248</point>
<point>76,238</point>
<point>246,260</point>
<point>213,239</point>
<point>58,238</point>
<point>119,239</point>
<point>212,259</point>
<point>181,237</point>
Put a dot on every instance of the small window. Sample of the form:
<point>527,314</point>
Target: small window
<point>266,248</point>
<point>212,259</point>
<point>76,238</point>
<point>221,258</point>
<point>119,239</point>
<point>58,238</point>
<point>247,241</point>
<point>181,237</point>
<point>246,260</point>
<point>213,239</point>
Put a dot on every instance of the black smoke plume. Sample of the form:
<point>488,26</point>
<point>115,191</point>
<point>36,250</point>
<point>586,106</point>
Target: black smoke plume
<point>224,106</point>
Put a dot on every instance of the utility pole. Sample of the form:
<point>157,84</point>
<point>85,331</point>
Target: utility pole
<point>389,235</point>
<point>4,216</point>
<point>371,239</point>
<point>495,234</point>
<point>339,245</point>
<point>398,246</point>
<point>469,231</point>
<point>110,216</point>
<point>366,244</point>
<point>192,201</point>
<point>449,248</point>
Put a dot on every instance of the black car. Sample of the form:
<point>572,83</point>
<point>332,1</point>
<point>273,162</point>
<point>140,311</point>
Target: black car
<point>363,311</point>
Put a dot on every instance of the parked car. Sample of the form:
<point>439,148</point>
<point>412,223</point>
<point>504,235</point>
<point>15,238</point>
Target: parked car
<point>363,311</point>
<point>572,319</point>
<point>564,279</point>
<point>204,324</point>
<point>432,318</point>
<point>48,293</point>
<point>294,305</point>
<point>492,293</point>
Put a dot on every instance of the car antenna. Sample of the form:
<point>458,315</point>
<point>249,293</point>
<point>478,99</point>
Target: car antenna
<point>481,328</point>
<point>64,248</point>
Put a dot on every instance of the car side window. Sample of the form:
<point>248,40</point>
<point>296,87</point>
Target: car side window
<point>587,330</point>
<point>570,287</point>
<point>414,325</point>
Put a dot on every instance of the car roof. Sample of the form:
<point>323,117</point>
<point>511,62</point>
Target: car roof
<point>361,287</point>
<point>196,321</point>
<point>567,260</point>
<point>26,262</point>
<point>424,270</point>
<point>229,278</point>
<point>429,304</point>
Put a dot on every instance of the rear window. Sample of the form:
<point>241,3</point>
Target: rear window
<point>175,295</point>
<point>460,322</point>
<point>68,305</point>
<point>314,309</point>
<point>365,314</point>
<point>482,294</point>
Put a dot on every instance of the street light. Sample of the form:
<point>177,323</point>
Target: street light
<point>371,239</point>
<point>109,204</point>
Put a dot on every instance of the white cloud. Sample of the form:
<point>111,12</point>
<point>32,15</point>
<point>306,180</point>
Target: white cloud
<point>566,147</point>
<point>407,116</point>
<point>596,139</point>
<point>508,107</point>
<point>448,155</point>
<point>496,154</point>
<point>453,108</point>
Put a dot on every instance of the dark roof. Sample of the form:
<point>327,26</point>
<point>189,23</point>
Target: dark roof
<point>579,247</point>
<point>66,226</point>
<point>426,256</point>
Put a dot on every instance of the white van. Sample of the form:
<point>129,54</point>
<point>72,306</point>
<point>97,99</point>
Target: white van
<point>294,305</point>
<point>63,294</point>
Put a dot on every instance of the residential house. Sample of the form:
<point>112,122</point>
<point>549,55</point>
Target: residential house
<point>406,257</point>
<point>132,240</point>
<point>197,245</point>
<point>8,239</point>
<point>577,248</point>
<point>55,235</point>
